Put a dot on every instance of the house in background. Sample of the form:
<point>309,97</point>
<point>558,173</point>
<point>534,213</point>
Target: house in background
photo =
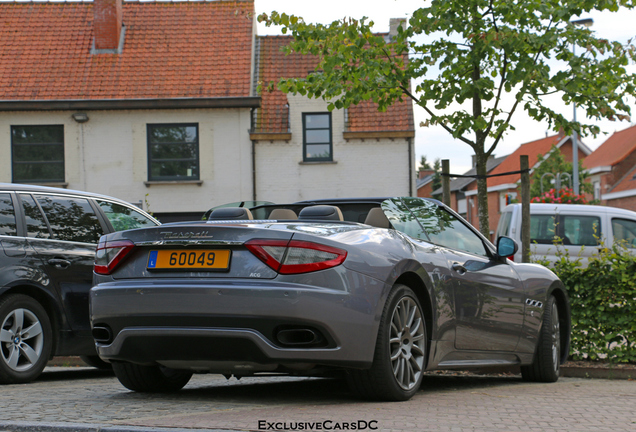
<point>504,188</point>
<point>611,168</point>
<point>304,151</point>
<point>424,182</point>
<point>156,103</point>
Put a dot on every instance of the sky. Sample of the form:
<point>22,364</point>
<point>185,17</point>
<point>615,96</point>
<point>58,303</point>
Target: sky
<point>435,142</point>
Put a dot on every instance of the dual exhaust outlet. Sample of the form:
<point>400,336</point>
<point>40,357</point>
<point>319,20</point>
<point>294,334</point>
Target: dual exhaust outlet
<point>284,336</point>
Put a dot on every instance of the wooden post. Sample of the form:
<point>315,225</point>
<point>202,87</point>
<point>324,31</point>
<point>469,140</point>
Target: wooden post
<point>525,209</point>
<point>446,182</point>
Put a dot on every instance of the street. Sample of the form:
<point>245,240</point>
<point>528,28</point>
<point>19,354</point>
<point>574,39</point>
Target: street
<point>85,399</point>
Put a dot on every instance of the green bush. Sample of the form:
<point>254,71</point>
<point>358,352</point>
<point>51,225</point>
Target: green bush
<point>603,303</point>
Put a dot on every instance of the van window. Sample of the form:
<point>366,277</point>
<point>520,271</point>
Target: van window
<point>581,230</point>
<point>504,224</point>
<point>542,229</point>
<point>624,231</point>
<point>7,216</point>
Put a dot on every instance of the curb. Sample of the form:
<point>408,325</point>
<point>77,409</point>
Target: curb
<point>83,427</point>
<point>599,373</point>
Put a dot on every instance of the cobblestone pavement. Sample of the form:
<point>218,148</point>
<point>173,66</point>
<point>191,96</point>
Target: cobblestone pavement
<point>82,399</point>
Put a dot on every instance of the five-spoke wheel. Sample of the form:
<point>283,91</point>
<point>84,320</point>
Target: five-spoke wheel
<point>25,339</point>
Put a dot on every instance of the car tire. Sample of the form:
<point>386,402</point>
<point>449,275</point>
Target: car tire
<point>400,351</point>
<point>96,362</point>
<point>26,339</point>
<point>547,358</point>
<point>150,379</point>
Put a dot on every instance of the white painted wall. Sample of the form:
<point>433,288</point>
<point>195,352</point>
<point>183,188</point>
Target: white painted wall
<point>363,168</point>
<point>108,155</point>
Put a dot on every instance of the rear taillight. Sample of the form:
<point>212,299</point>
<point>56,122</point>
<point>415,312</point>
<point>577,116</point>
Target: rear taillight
<point>110,254</point>
<point>293,257</point>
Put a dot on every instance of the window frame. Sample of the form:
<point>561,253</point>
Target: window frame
<point>305,144</point>
<point>14,163</point>
<point>150,160</point>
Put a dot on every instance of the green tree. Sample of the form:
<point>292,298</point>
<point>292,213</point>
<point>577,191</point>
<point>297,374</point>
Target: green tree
<point>473,63</point>
<point>437,177</point>
<point>424,163</point>
<point>554,163</point>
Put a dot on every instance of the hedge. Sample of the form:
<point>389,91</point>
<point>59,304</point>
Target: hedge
<point>603,304</point>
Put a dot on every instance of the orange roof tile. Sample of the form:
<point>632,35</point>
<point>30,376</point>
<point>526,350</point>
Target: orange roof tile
<point>616,148</point>
<point>171,50</point>
<point>274,64</point>
<point>533,149</point>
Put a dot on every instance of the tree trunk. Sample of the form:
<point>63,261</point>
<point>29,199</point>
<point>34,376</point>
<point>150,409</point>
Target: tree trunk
<point>482,192</point>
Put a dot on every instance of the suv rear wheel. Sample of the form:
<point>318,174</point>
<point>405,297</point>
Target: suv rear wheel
<point>25,339</point>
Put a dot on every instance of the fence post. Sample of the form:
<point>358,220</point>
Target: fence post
<point>446,182</point>
<point>525,209</point>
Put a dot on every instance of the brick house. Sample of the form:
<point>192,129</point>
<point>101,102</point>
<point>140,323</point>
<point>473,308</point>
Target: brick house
<point>424,183</point>
<point>611,168</point>
<point>503,189</point>
<point>156,103</point>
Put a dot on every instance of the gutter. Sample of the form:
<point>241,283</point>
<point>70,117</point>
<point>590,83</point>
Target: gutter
<point>129,104</point>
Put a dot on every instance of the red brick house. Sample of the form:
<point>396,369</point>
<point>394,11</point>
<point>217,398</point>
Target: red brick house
<point>611,168</point>
<point>504,188</point>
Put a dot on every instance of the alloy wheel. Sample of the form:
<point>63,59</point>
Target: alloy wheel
<point>407,343</point>
<point>556,337</point>
<point>21,339</point>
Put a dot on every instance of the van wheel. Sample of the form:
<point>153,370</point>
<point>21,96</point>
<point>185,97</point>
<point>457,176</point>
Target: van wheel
<point>25,339</point>
<point>547,357</point>
<point>150,379</point>
<point>400,352</point>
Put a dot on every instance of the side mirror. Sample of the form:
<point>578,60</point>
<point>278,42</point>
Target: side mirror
<point>506,247</point>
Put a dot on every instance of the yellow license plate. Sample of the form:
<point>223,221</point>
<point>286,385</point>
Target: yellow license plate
<point>189,259</point>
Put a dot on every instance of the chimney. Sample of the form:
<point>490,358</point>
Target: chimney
<point>107,25</point>
<point>425,172</point>
<point>394,23</point>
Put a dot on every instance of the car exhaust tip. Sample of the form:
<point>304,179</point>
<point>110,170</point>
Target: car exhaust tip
<point>102,334</point>
<point>299,337</point>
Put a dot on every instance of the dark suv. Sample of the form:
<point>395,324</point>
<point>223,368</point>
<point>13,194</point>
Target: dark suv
<point>47,246</point>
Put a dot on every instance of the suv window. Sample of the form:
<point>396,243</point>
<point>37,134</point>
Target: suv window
<point>36,225</point>
<point>71,219</point>
<point>542,229</point>
<point>124,218</point>
<point>7,216</point>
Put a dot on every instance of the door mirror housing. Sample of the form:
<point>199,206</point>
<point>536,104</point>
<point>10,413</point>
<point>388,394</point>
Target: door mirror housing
<point>506,247</point>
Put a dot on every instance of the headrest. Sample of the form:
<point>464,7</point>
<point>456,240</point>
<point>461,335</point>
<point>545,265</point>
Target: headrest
<point>323,212</point>
<point>377,218</point>
<point>283,214</point>
<point>227,213</point>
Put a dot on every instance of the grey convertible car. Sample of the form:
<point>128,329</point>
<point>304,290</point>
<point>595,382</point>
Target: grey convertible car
<point>301,291</point>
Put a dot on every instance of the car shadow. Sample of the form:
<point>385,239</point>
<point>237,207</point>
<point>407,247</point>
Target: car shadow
<point>286,390</point>
<point>73,373</point>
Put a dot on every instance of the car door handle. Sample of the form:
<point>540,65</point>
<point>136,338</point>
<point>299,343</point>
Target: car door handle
<point>459,268</point>
<point>59,263</point>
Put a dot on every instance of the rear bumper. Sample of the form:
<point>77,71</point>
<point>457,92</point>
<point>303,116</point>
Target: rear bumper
<point>200,324</point>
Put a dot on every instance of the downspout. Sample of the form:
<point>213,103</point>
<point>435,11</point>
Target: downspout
<point>408,141</point>
<point>253,156</point>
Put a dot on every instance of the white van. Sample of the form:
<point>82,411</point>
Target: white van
<point>580,228</point>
